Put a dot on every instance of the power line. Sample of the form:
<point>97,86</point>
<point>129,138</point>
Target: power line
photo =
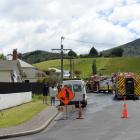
<point>90,43</point>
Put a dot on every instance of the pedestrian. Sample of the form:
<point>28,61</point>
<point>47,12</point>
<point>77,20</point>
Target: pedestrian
<point>59,88</point>
<point>45,92</point>
<point>53,91</point>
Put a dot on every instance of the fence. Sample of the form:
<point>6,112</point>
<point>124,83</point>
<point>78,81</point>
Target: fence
<point>7,88</point>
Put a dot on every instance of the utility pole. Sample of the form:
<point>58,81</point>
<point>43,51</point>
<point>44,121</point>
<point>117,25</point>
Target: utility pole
<point>71,75</point>
<point>73,68</point>
<point>62,70</point>
<point>62,56</point>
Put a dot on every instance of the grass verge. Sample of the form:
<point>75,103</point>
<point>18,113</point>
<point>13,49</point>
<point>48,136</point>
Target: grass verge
<point>22,113</point>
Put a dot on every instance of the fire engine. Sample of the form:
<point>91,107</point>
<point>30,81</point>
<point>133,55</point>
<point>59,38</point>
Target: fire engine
<point>127,85</point>
<point>100,84</point>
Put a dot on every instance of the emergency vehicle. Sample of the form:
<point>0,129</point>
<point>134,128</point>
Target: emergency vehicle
<point>100,84</point>
<point>127,85</point>
<point>79,90</point>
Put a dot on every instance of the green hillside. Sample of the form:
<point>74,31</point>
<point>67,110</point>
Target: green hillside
<point>39,56</point>
<point>130,49</point>
<point>104,65</point>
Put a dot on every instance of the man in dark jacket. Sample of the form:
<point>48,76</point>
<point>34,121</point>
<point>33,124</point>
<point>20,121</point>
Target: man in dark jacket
<point>45,92</point>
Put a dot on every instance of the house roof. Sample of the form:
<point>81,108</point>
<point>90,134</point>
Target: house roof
<point>25,65</point>
<point>8,64</point>
<point>56,70</point>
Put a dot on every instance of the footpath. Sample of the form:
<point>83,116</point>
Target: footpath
<point>35,125</point>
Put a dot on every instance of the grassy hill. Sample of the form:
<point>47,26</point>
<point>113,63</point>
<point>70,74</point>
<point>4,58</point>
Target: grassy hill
<point>104,65</point>
<point>39,56</point>
<point>130,49</point>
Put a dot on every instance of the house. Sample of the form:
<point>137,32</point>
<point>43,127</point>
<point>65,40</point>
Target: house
<point>16,70</point>
<point>10,71</point>
<point>66,73</point>
<point>30,73</point>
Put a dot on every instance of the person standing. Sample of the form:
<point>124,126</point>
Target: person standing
<point>53,91</point>
<point>45,92</point>
<point>59,88</point>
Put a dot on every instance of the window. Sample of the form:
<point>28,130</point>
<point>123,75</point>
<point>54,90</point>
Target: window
<point>69,86</point>
<point>77,88</point>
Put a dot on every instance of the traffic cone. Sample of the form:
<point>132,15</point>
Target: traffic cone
<point>125,111</point>
<point>60,108</point>
<point>80,113</point>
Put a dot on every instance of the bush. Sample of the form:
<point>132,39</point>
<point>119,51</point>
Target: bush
<point>117,52</point>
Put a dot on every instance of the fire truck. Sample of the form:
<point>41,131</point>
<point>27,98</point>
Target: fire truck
<point>127,85</point>
<point>99,84</point>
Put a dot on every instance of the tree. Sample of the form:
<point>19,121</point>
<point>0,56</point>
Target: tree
<point>93,52</point>
<point>94,68</point>
<point>77,73</point>
<point>2,57</point>
<point>117,52</point>
<point>100,54</point>
<point>72,54</point>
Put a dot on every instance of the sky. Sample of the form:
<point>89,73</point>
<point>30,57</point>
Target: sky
<point>30,25</point>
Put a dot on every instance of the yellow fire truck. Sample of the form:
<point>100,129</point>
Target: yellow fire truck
<point>127,85</point>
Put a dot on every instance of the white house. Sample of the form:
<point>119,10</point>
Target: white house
<point>19,71</point>
<point>10,71</point>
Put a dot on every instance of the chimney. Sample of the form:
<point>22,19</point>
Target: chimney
<point>15,54</point>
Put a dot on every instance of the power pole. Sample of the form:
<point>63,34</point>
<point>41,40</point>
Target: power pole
<point>62,70</point>
<point>62,56</point>
<point>71,72</point>
<point>73,68</point>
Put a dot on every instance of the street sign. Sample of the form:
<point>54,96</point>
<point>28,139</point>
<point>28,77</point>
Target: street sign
<point>65,95</point>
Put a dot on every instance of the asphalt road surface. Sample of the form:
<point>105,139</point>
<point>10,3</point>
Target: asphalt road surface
<point>102,121</point>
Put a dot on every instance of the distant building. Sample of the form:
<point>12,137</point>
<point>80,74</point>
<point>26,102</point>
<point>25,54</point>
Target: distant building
<point>66,73</point>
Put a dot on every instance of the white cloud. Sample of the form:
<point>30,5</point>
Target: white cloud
<point>125,14</point>
<point>134,26</point>
<point>54,7</point>
<point>39,24</point>
<point>20,44</point>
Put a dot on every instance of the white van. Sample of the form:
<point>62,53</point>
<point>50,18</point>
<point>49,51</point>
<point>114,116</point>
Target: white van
<point>79,90</point>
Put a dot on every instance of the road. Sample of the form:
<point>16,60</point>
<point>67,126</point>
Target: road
<point>102,121</point>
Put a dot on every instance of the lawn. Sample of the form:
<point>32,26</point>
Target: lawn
<point>124,64</point>
<point>84,64</point>
<point>105,66</point>
<point>22,113</point>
